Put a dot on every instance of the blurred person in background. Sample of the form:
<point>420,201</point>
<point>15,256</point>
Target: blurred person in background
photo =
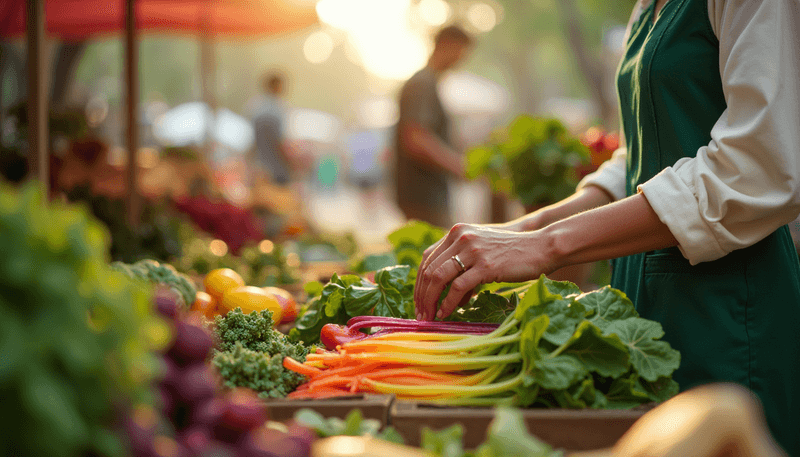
<point>425,156</point>
<point>269,119</point>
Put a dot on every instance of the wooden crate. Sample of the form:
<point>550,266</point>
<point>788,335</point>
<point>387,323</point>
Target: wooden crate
<point>372,406</point>
<point>571,430</point>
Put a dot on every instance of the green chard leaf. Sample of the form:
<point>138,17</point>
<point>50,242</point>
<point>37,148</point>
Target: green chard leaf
<point>606,355</point>
<point>580,395</point>
<point>564,313</point>
<point>563,288</point>
<point>607,305</point>
<point>485,307</point>
<point>650,358</point>
<point>626,392</point>
<point>389,296</point>
<point>559,372</point>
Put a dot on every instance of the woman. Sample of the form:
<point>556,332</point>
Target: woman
<point>693,211</point>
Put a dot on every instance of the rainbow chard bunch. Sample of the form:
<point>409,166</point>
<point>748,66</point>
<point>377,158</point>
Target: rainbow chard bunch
<point>559,348</point>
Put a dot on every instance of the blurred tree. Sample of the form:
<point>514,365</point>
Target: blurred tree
<point>552,48</point>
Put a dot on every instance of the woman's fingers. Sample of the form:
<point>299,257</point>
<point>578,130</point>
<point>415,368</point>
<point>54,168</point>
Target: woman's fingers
<point>460,291</point>
<point>439,273</point>
<point>424,266</point>
<point>425,256</point>
<point>429,256</point>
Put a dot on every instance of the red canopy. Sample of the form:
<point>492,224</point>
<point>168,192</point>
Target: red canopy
<point>75,20</point>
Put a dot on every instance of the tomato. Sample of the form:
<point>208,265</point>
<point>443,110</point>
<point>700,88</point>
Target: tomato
<point>205,304</point>
<point>218,281</point>
<point>287,301</point>
<point>251,298</point>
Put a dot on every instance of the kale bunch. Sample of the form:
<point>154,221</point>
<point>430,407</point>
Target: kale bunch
<point>250,354</point>
<point>160,273</point>
<point>259,371</point>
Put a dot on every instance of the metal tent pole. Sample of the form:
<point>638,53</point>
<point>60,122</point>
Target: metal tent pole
<point>132,108</point>
<point>37,96</point>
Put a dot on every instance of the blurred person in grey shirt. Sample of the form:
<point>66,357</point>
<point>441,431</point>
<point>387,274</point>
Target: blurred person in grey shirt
<point>269,119</point>
<point>425,156</point>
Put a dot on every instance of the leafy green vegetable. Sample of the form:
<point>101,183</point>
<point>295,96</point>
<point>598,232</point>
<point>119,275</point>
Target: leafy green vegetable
<point>447,442</point>
<point>347,296</point>
<point>391,295</point>
<point>160,273</point>
<point>652,359</point>
<point>411,240</point>
<point>608,305</point>
<point>259,371</point>
<point>508,436</point>
<point>77,339</point>
<point>352,425</point>
<point>485,307</point>
<point>251,354</point>
<point>532,158</point>
<point>255,331</point>
<point>547,352</point>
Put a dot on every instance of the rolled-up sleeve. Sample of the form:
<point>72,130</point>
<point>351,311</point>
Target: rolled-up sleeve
<point>745,183</point>
<point>610,176</point>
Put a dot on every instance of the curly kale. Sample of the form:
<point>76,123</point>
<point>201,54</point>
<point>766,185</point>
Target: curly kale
<point>250,354</point>
<point>259,371</point>
<point>254,331</point>
<point>160,273</point>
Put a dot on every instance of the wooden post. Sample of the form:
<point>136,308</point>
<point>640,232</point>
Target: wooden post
<point>208,80</point>
<point>132,108</point>
<point>37,96</point>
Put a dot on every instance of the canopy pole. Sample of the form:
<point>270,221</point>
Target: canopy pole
<point>37,97</point>
<point>208,80</point>
<point>132,104</point>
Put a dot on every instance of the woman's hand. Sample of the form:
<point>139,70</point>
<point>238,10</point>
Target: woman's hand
<point>488,254</point>
<point>531,221</point>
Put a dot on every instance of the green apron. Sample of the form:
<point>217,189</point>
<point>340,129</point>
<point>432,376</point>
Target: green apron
<point>734,319</point>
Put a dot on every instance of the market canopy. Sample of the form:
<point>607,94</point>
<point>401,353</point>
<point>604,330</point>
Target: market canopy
<point>77,20</point>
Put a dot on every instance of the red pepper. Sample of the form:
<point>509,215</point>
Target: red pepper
<point>333,335</point>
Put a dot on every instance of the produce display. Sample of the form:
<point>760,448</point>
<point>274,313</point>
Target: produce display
<point>559,347</point>
<point>533,159</point>
<point>76,337</point>
<point>263,264</point>
<point>347,296</point>
<point>250,353</point>
<point>225,290</point>
<point>160,273</point>
<point>195,417</point>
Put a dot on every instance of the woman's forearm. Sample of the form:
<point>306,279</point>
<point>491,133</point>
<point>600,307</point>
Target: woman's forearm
<point>585,199</point>
<point>618,229</point>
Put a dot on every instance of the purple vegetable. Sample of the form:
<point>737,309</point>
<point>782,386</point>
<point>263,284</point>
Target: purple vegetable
<point>197,383</point>
<point>192,344</point>
<point>196,438</point>
<point>244,411</point>
<point>209,413</point>
<point>167,306</point>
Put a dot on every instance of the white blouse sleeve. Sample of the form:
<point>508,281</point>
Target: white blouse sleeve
<point>746,183</point>
<point>610,176</point>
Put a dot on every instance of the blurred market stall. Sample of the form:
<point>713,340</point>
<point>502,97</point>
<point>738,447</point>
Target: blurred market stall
<point>82,20</point>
